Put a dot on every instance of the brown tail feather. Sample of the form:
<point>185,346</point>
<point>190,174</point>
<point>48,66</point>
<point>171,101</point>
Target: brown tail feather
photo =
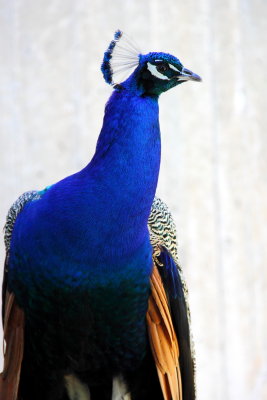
<point>13,354</point>
<point>163,340</point>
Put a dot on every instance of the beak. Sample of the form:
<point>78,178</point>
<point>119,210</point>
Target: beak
<point>187,75</point>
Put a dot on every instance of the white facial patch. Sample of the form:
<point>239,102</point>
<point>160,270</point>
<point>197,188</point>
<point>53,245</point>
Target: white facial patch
<point>153,69</point>
<point>172,67</point>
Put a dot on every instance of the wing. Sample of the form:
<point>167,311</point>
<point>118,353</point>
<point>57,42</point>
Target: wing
<point>168,274</point>
<point>12,314</point>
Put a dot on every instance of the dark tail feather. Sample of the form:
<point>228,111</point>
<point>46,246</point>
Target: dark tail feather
<point>13,355</point>
<point>174,289</point>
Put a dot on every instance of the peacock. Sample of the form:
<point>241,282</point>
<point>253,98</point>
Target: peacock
<point>94,301</point>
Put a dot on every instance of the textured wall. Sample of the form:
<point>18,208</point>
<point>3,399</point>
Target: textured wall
<point>214,166</point>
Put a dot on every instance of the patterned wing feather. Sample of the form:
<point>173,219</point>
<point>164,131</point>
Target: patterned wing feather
<point>162,230</point>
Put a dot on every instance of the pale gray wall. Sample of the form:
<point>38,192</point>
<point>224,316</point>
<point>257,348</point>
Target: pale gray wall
<point>214,166</point>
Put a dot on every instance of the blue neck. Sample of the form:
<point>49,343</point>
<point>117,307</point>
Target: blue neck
<point>109,201</point>
<point>124,170</point>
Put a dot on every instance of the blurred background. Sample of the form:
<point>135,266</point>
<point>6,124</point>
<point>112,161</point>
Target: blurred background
<point>214,157</point>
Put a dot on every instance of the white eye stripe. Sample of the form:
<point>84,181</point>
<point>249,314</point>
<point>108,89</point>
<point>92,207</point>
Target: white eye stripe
<point>172,67</point>
<point>153,69</point>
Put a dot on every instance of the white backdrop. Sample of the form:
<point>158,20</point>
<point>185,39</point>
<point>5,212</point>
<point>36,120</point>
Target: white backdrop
<point>214,166</point>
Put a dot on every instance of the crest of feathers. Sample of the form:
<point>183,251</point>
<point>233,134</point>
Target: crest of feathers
<point>120,59</point>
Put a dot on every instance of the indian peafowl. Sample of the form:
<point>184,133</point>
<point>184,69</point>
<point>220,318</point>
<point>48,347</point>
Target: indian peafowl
<point>94,301</point>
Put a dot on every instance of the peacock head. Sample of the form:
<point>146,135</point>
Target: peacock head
<point>153,73</point>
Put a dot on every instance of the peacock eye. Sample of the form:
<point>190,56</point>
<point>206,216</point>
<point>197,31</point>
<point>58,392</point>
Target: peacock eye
<point>162,68</point>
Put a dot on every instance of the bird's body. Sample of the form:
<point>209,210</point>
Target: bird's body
<point>80,260</point>
<point>92,277</point>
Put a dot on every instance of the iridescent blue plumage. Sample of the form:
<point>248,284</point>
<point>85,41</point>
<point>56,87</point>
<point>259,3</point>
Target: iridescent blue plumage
<point>80,257</point>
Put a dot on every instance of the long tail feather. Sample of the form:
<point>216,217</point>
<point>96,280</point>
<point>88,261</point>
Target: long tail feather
<point>163,340</point>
